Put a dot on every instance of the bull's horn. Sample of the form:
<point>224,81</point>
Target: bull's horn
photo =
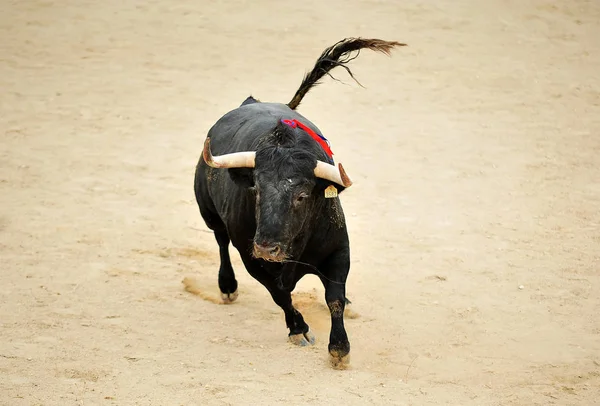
<point>233,160</point>
<point>336,174</point>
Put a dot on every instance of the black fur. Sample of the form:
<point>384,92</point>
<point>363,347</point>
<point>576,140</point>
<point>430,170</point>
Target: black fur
<point>280,201</point>
<point>250,100</point>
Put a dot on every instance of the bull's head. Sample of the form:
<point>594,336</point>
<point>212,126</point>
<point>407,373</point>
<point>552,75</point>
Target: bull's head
<point>287,186</point>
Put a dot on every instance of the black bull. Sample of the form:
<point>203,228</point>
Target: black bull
<point>261,184</point>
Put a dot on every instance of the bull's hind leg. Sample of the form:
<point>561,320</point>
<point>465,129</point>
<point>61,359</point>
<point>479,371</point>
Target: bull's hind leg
<point>227,282</point>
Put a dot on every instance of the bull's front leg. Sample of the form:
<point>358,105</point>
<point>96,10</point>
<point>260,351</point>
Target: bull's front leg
<point>299,332</point>
<point>335,272</point>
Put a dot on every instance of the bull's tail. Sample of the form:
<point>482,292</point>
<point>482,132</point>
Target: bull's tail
<point>339,54</point>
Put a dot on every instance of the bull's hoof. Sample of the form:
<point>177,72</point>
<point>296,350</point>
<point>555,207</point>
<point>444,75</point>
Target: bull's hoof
<point>339,355</point>
<point>229,297</point>
<point>339,361</point>
<point>303,340</point>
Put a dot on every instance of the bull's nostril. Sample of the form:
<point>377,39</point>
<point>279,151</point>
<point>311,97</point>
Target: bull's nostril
<point>266,250</point>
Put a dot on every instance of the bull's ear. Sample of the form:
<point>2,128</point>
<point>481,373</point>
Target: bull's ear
<point>243,177</point>
<point>323,184</point>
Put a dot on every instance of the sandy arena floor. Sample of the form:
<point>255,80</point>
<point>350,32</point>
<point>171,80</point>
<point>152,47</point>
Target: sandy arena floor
<point>474,220</point>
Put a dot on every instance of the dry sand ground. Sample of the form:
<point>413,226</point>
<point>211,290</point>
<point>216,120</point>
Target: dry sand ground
<point>476,156</point>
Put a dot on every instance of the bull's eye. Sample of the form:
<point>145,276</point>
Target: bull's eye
<point>301,197</point>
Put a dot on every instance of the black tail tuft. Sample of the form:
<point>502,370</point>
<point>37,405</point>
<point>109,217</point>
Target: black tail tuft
<point>339,54</point>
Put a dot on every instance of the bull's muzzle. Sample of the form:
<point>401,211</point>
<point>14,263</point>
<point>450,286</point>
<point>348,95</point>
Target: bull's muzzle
<point>268,252</point>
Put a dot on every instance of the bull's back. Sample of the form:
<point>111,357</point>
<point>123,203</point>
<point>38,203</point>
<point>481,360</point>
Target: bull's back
<point>242,128</point>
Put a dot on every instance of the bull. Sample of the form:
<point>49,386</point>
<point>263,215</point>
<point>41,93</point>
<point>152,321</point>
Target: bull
<point>267,183</point>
